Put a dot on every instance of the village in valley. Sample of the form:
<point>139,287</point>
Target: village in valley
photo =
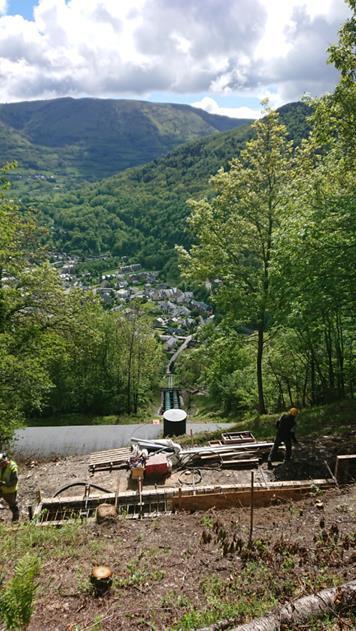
<point>177,313</point>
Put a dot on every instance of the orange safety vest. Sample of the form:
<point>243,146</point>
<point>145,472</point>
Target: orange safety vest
<point>5,475</point>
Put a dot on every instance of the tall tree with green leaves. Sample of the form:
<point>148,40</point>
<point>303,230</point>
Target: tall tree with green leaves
<point>318,272</point>
<point>235,230</point>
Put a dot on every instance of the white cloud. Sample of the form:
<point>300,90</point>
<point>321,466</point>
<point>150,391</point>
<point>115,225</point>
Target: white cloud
<point>210,105</point>
<point>134,47</point>
<point>3,6</point>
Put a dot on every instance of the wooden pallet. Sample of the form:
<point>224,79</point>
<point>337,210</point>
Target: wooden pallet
<point>109,459</point>
<point>236,438</point>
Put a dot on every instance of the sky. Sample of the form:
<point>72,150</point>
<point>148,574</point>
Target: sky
<point>223,56</point>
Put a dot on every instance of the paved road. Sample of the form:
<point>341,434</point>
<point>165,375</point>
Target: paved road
<point>84,439</point>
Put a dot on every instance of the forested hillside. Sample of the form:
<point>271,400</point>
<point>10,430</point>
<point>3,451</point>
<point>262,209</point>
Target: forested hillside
<point>62,351</point>
<point>277,240</point>
<point>142,212</point>
<point>273,231</point>
<point>63,141</point>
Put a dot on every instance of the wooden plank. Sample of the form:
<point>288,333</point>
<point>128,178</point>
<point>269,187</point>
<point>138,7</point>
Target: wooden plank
<point>113,455</point>
<point>262,497</point>
<point>246,455</point>
<point>106,452</point>
<point>244,464</point>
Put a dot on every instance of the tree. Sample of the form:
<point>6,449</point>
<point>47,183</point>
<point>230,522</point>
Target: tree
<point>29,297</point>
<point>235,232</point>
<point>139,356</point>
<point>318,273</point>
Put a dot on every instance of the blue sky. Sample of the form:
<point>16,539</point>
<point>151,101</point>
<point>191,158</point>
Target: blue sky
<point>21,7</point>
<point>221,55</point>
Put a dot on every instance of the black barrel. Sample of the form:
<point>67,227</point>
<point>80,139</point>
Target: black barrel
<point>174,422</point>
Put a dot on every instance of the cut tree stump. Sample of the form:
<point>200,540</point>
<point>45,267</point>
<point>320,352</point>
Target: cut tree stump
<point>106,512</point>
<point>101,579</point>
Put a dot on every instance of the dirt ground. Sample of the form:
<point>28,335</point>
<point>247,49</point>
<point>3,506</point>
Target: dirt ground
<point>166,568</point>
<point>308,463</point>
<point>185,571</point>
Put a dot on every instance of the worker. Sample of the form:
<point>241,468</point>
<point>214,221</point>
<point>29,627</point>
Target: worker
<point>285,434</point>
<point>8,484</point>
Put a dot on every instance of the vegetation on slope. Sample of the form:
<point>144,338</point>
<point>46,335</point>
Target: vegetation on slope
<point>59,351</point>
<point>279,235</point>
<point>200,567</point>
<point>142,212</point>
<point>67,140</point>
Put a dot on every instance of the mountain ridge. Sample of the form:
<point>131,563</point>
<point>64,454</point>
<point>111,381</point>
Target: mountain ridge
<point>141,212</point>
<point>95,138</point>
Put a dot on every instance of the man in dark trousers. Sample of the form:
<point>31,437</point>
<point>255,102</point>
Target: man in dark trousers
<point>285,434</point>
<point>8,484</point>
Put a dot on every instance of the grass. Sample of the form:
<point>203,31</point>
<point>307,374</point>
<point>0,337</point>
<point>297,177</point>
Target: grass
<point>235,599</point>
<point>333,418</point>
<point>254,579</point>
<point>48,542</point>
<point>94,419</point>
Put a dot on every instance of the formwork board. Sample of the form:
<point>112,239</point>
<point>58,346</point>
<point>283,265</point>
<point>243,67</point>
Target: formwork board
<point>263,496</point>
<point>165,500</point>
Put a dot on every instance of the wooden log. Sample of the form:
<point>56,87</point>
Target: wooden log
<point>301,610</point>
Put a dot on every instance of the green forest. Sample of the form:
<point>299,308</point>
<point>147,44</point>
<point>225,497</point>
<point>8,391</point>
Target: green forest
<point>272,233</point>
<point>61,351</point>
<point>277,241</point>
<point>141,213</point>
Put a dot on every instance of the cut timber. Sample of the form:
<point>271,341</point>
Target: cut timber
<point>301,610</point>
<point>165,499</point>
<point>227,498</point>
<point>229,454</point>
<point>345,469</point>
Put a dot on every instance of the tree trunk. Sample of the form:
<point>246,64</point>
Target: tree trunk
<point>129,372</point>
<point>281,401</point>
<point>340,357</point>
<point>305,386</point>
<point>261,400</point>
<point>329,353</point>
<point>313,398</point>
<point>328,601</point>
<point>289,392</point>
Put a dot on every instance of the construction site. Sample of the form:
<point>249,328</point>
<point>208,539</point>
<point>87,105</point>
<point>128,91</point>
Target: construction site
<point>174,532</point>
<point>154,477</point>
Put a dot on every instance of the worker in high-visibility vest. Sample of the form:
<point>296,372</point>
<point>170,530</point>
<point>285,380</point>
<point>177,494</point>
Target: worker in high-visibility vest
<point>8,484</point>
